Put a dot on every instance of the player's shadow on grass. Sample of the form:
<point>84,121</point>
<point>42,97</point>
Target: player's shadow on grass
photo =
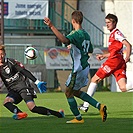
<point>130,113</point>
<point>52,124</point>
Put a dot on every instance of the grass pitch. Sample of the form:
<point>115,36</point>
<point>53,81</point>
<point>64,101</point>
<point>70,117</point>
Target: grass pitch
<point>119,109</point>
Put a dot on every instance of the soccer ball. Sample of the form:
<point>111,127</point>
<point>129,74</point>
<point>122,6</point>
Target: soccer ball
<point>31,53</point>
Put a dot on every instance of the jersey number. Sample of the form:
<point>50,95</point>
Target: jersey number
<point>86,45</point>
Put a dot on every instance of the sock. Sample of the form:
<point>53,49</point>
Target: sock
<point>12,108</point>
<point>91,90</point>
<point>73,106</point>
<point>85,97</point>
<point>45,111</point>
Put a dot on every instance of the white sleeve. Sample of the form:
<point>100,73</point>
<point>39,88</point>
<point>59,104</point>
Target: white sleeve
<point>119,36</point>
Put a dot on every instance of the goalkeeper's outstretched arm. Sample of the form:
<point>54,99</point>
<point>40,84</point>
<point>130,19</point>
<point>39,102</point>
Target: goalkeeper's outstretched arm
<point>40,85</point>
<point>28,74</point>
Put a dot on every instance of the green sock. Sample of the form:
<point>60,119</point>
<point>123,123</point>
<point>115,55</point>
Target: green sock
<point>73,106</point>
<point>85,97</point>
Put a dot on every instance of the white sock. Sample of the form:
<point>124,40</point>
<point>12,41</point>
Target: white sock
<point>91,90</point>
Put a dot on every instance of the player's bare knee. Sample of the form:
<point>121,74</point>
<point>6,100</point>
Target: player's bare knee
<point>8,99</point>
<point>30,105</point>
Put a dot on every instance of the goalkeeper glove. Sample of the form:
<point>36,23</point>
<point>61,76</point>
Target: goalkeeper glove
<point>41,86</point>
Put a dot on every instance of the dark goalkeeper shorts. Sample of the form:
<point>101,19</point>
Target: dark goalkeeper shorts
<point>26,94</point>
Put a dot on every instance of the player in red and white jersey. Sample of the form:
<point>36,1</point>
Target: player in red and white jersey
<point>115,63</point>
<point>115,45</point>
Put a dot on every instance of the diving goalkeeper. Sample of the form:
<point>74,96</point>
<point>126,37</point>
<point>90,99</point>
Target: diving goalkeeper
<point>16,79</point>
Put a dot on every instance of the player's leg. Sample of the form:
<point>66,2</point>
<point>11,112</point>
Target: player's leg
<point>8,103</point>
<point>102,72</point>
<point>101,107</point>
<point>73,82</point>
<point>122,84</point>
<point>38,109</point>
<point>121,79</point>
<point>11,98</point>
<point>73,107</point>
<point>90,91</point>
<point>43,110</point>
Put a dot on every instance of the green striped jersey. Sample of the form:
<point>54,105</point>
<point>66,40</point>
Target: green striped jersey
<point>80,47</point>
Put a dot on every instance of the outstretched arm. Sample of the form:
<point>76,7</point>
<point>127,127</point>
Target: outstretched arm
<point>58,34</point>
<point>28,74</point>
<point>41,85</point>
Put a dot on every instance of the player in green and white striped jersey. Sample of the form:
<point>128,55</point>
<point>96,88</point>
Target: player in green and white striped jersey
<point>80,45</point>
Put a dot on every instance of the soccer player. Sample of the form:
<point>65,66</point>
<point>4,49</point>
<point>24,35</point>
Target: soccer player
<point>80,45</point>
<point>115,63</point>
<point>16,79</point>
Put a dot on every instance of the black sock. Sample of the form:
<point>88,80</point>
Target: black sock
<point>45,111</point>
<point>12,108</point>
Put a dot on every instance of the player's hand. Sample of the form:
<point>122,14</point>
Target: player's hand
<point>99,57</point>
<point>41,86</point>
<point>48,22</point>
<point>69,46</point>
<point>127,59</point>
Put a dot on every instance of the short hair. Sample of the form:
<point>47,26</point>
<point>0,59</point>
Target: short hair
<point>2,47</point>
<point>77,16</point>
<point>112,17</point>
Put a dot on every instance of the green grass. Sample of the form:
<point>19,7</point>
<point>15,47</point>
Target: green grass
<point>120,116</point>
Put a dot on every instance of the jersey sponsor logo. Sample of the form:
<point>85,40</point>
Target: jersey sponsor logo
<point>13,78</point>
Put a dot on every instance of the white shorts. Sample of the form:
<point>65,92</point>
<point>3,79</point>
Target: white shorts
<point>80,80</point>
